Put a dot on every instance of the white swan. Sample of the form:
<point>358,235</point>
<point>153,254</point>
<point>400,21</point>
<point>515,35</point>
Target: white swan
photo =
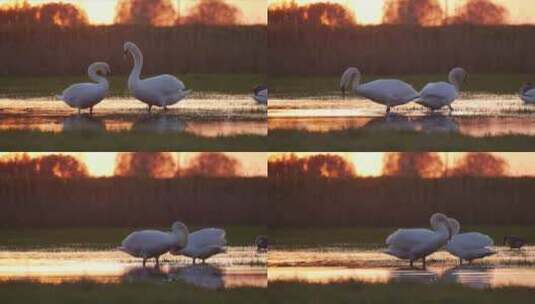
<point>527,93</point>
<point>148,244</point>
<point>203,244</point>
<point>261,94</point>
<point>414,244</point>
<point>160,91</point>
<point>469,246</point>
<point>436,95</point>
<point>388,92</point>
<point>87,95</point>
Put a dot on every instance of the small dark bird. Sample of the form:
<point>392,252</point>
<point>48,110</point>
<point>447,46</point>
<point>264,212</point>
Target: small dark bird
<point>514,242</point>
<point>262,243</point>
<point>261,94</point>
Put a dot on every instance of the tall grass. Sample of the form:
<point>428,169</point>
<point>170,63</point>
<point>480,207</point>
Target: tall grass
<point>127,202</point>
<point>49,51</point>
<point>391,201</point>
<point>400,49</point>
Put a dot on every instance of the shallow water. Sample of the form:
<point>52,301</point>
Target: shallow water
<point>240,266</point>
<point>474,115</point>
<point>337,265</point>
<point>219,115</point>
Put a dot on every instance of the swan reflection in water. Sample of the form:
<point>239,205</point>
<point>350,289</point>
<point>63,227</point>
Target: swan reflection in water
<point>83,122</point>
<point>433,123</point>
<point>200,275</point>
<point>205,276</point>
<point>160,124</point>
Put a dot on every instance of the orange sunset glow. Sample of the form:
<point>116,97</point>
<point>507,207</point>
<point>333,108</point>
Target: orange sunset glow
<point>102,164</point>
<point>103,11</point>
<point>371,164</point>
<point>371,11</point>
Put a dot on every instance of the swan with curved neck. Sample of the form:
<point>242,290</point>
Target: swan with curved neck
<point>148,244</point>
<point>414,244</point>
<point>437,95</point>
<point>203,244</point>
<point>469,245</point>
<point>87,95</point>
<point>388,92</point>
<point>161,91</point>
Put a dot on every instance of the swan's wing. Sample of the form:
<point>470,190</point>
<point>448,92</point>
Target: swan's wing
<point>442,92</point>
<point>471,241</point>
<point>81,92</point>
<point>388,90</point>
<point>409,238</point>
<point>207,237</point>
<point>147,242</point>
<point>166,84</point>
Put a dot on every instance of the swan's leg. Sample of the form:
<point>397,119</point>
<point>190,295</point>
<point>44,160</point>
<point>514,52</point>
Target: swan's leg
<point>150,108</point>
<point>411,264</point>
<point>193,261</point>
<point>451,108</point>
<point>91,111</point>
<point>424,262</point>
<point>157,261</point>
<point>460,261</point>
<point>165,108</point>
<point>387,109</point>
<point>79,111</point>
<point>144,260</point>
<point>204,261</point>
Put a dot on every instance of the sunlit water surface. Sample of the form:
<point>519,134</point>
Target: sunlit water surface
<point>474,115</point>
<point>338,265</point>
<point>239,267</point>
<point>218,115</point>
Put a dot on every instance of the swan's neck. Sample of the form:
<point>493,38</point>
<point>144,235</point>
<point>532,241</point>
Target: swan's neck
<point>98,79</point>
<point>138,65</point>
<point>355,81</point>
<point>455,82</point>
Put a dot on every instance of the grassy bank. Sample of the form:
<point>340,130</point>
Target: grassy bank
<point>42,86</point>
<point>36,141</point>
<point>85,292</point>
<point>363,237</point>
<point>394,293</point>
<point>395,141</point>
<point>317,86</point>
<point>90,238</point>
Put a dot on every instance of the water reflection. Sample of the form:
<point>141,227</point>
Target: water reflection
<point>215,116</point>
<point>470,276</point>
<point>340,264</point>
<point>474,115</point>
<point>240,266</point>
<point>159,123</point>
<point>83,122</point>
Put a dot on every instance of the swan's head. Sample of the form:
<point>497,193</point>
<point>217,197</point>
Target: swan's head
<point>181,232</point>
<point>349,80</point>
<point>455,226</point>
<point>131,48</point>
<point>101,68</point>
<point>439,220</point>
<point>458,76</point>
